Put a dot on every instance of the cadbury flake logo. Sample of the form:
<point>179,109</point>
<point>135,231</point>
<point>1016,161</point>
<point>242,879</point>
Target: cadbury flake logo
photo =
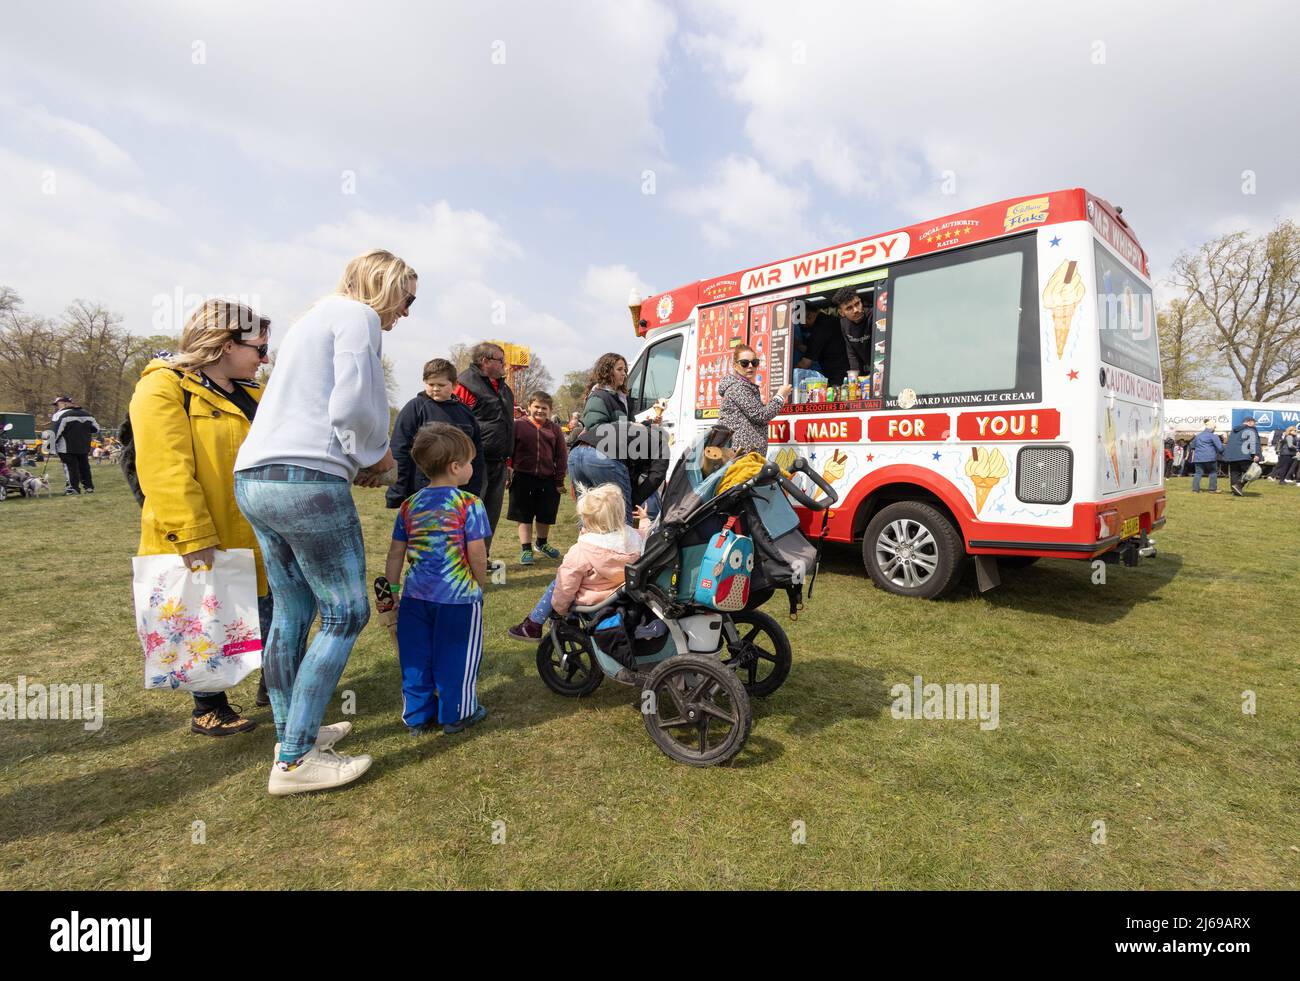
<point>1031,212</point>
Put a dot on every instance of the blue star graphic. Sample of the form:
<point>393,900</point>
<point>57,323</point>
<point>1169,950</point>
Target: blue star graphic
<point>936,454</point>
<point>999,508</point>
<point>1055,241</point>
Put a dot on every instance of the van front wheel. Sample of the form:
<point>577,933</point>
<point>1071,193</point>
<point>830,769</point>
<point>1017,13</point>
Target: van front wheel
<point>911,549</point>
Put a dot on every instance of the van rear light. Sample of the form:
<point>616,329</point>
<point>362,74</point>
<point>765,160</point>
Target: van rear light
<point>1043,474</point>
<point>1158,509</point>
<point>1107,524</point>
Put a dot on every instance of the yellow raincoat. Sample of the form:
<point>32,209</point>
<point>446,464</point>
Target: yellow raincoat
<point>186,467</point>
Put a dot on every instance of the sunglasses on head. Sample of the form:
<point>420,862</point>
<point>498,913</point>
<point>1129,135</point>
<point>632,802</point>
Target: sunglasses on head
<point>748,362</point>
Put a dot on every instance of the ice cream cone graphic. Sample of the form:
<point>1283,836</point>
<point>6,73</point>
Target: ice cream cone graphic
<point>985,468</point>
<point>833,471</point>
<point>1111,450</point>
<point>1062,295</point>
<point>785,458</point>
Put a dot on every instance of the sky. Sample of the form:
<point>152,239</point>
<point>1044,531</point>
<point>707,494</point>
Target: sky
<point>534,162</point>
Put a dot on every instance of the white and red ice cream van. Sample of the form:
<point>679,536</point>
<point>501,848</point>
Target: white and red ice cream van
<point>1012,407</point>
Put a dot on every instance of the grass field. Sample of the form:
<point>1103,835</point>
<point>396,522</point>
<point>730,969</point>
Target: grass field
<point>1119,703</point>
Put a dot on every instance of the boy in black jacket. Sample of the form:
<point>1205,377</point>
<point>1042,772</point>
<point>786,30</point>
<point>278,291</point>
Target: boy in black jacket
<point>437,403</point>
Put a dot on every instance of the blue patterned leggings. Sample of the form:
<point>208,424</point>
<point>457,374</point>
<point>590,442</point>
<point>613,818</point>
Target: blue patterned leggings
<point>310,536</point>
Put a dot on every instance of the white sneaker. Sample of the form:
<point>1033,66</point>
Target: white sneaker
<point>326,736</point>
<point>318,770</point>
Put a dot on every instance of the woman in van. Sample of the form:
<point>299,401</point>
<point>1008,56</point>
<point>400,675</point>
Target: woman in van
<point>323,426</point>
<point>189,415</point>
<point>743,410</point>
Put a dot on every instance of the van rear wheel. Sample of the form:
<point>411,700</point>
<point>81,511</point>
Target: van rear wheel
<point>911,549</point>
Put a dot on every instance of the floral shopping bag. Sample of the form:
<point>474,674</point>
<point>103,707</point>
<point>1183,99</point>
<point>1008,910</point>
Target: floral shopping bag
<point>199,630</point>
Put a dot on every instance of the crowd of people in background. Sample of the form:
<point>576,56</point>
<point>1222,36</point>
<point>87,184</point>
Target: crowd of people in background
<point>1238,454</point>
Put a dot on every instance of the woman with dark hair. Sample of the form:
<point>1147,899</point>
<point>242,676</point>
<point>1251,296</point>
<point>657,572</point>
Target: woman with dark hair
<point>597,456</point>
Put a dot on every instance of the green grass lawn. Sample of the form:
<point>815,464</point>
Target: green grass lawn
<point>1119,703</point>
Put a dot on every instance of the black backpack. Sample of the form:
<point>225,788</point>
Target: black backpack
<point>127,438</point>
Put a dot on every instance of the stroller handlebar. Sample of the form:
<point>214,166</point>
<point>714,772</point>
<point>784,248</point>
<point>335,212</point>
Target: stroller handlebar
<point>771,474</point>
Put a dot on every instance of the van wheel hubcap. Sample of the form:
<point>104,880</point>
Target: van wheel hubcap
<point>907,553</point>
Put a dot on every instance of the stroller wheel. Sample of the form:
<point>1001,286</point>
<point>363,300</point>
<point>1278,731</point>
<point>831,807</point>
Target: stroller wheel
<point>571,671</point>
<point>697,711</point>
<point>760,654</point>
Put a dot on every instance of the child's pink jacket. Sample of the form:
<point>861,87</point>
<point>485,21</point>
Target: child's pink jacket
<point>593,568</point>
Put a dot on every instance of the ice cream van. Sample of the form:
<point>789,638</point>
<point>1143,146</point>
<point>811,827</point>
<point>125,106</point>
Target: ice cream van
<point>1012,406</point>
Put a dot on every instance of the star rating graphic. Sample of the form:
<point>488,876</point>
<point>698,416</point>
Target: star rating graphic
<point>1055,241</point>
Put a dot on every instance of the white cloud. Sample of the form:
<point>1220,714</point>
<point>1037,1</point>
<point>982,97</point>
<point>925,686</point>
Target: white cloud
<point>605,289</point>
<point>331,84</point>
<point>87,139</point>
<point>127,251</point>
<point>741,199</point>
<point>1156,107</point>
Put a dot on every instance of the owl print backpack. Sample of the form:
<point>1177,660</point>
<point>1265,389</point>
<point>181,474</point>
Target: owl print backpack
<point>726,570</point>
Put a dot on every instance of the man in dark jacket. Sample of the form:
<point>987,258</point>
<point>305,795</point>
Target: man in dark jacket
<point>1288,448</point>
<point>73,427</point>
<point>437,403</point>
<point>1205,450</point>
<point>483,388</point>
<point>1242,450</point>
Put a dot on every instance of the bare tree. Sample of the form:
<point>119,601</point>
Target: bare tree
<point>96,362</point>
<point>1187,352</point>
<point>568,396</point>
<point>31,357</point>
<point>458,354</point>
<point>533,378</point>
<point>1249,288</point>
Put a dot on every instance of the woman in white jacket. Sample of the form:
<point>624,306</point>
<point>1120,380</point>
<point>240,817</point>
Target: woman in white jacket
<point>321,426</point>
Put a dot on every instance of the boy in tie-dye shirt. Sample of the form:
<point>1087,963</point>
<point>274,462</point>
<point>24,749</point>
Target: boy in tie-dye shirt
<point>441,530</point>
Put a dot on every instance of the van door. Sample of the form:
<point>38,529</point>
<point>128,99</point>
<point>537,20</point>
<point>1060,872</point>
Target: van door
<point>656,375</point>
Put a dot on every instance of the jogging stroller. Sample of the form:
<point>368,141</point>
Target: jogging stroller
<point>685,627</point>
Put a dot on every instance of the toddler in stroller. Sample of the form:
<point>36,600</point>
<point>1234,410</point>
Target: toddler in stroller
<point>685,626</point>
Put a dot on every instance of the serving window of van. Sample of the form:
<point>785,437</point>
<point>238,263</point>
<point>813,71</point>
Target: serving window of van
<point>962,327</point>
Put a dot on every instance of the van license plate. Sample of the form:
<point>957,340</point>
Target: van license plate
<point>1131,528</point>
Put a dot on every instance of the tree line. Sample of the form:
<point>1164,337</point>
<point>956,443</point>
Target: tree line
<point>1235,325</point>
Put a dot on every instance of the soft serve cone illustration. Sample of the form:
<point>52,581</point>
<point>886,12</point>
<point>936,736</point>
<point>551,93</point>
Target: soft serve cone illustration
<point>985,468</point>
<point>1062,295</point>
<point>833,471</point>
<point>1112,450</point>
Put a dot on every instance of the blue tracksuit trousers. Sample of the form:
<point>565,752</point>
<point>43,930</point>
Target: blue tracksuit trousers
<point>440,646</point>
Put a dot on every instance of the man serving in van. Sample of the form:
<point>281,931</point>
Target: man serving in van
<point>843,348</point>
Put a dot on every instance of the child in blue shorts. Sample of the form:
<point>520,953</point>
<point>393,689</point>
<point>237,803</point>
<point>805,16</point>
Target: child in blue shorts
<point>441,530</point>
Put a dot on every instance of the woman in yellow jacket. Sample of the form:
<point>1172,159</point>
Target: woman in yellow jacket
<point>185,459</point>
